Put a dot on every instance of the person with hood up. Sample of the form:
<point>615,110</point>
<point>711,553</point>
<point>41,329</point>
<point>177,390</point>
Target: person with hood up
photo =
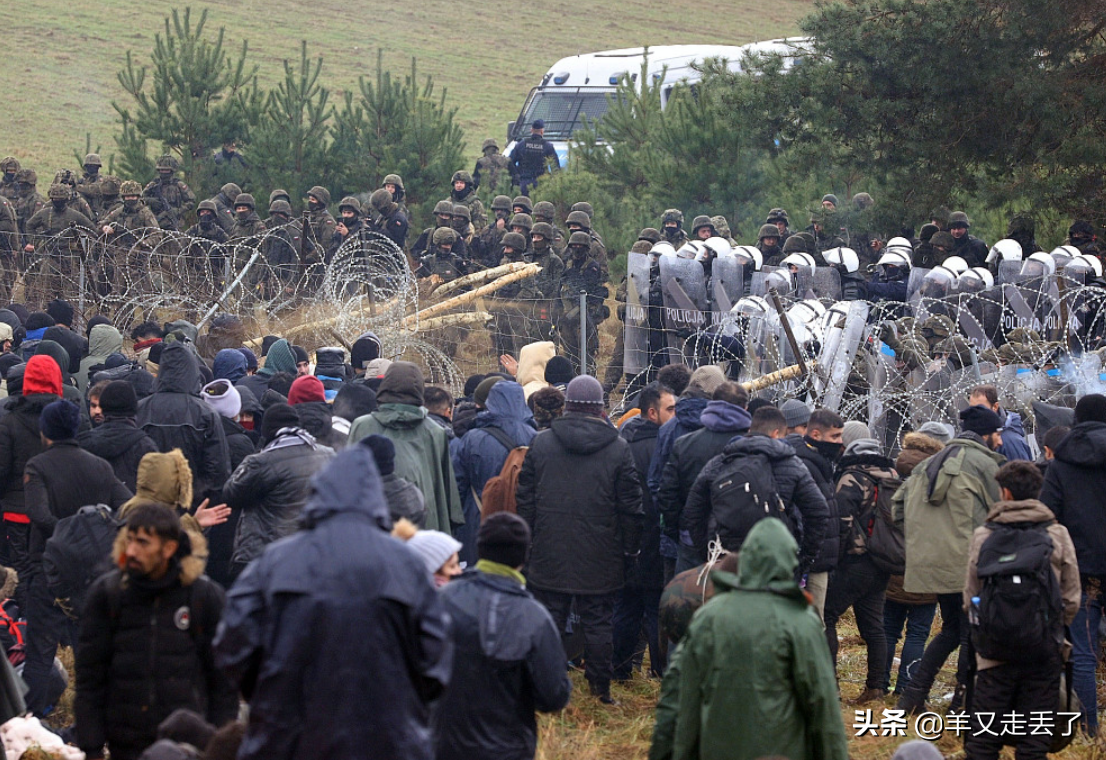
<point>587,527</point>
<point>505,424</point>
<point>270,488</point>
<point>422,447</point>
<point>103,341</point>
<point>176,418</point>
<point>280,358</point>
<point>405,502</point>
<point>37,324</point>
<point>57,352</point>
<point>532,360</point>
<point>308,396</point>
<point>1075,490</point>
<point>382,613</point>
<point>118,439</point>
<point>230,364</point>
<point>723,419</point>
<point>756,656</point>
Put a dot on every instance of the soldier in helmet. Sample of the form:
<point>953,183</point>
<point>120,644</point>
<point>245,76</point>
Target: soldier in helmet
<point>443,217</point>
<point>207,238</point>
<point>532,158</point>
<point>509,327</point>
<point>672,223</point>
<point>392,222</point>
<point>768,242</point>
<point>1022,227</point>
<point>723,229</point>
<point>393,183</point>
<point>9,165</point>
<point>441,259</point>
<point>1081,234</point>
<point>320,223</point>
<point>544,211</point>
<point>463,191</point>
<point>823,223</point>
<point>492,236</point>
<point>702,228</point>
<point>461,223</point>
<point>77,202</point>
<point>247,224</point>
<point>491,169</point>
<point>541,289</point>
<point>281,247</point>
<point>349,225</point>
<point>168,197</point>
<point>130,215</point>
<point>522,205</point>
<point>650,235</point>
<point>109,194</point>
<point>10,245</point>
<point>55,232</point>
<point>224,202</point>
<point>585,207</point>
<point>578,221</point>
<point>281,195</point>
<point>88,185</point>
<point>27,201</point>
<point>581,275</point>
<point>968,247</point>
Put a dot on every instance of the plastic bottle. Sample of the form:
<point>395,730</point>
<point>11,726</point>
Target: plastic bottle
<point>973,611</point>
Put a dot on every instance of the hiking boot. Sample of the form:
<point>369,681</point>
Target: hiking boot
<point>869,695</point>
<point>912,703</point>
<point>608,700</point>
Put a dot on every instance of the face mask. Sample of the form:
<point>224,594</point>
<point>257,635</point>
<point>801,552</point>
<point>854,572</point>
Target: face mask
<point>206,220</point>
<point>578,252</point>
<point>348,219</point>
<point>130,205</point>
<point>671,232</point>
<point>91,171</point>
<point>59,205</point>
<point>243,215</point>
<point>166,178</point>
<point>541,244</point>
<point>246,424</point>
<point>9,176</point>
<point>314,205</point>
<point>460,225</point>
<point>502,215</point>
<point>831,451</point>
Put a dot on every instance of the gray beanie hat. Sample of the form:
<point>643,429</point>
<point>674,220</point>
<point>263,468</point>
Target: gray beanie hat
<point>795,412</point>
<point>433,548</point>
<point>854,430</point>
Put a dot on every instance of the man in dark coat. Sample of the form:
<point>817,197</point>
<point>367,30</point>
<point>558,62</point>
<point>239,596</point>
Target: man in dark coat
<point>117,439</point>
<point>145,643</point>
<point>175,417</point>
<point>57,483</point>
<point>587,527</point>
<point>507,662</point>
<point>382,613</point>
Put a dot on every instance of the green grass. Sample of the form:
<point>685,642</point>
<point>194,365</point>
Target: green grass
<point>60,74</point>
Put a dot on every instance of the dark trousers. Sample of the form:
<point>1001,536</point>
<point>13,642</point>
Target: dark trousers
<point>688,557</point>
<point>596,613</point>
<point>1014,688</point>
<point>634,610</point>
<point>954,633</point>
<point>918,619</point>
<point>859,584</point>
<point>19,541</point>
<point>47,626</point>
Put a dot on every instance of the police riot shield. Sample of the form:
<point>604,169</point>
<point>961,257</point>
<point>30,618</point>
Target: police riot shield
<point>751,322</point>
<point>914,283</point>
<point>1031,305</point>
<point>1008,271</point>
<point>727,286</point>
<point>774,277</point>
<point>845,324</point>
<point>636,322</point>
<point>684,291</point>
<point>826,284</point>
<point>969,320</point>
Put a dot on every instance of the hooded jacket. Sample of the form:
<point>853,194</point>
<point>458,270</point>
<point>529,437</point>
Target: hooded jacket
<point>641,433</point>
<point>479,456</point>
<point>1013,438</point>
<point>175,417</point>
<point>532,359</point>
<point>821,469</point>
<point>103,341</point>
<point>858,473</point>
<point>20,440</point>
<point>686,420</point>
<point>756,655</point>
<point>578,489</point>
<point>119,441</point>
<point>943,501</point>
<point>1074,489</point>
<point>382,613</point>
<point>229,364</point>
<point>269,490</point>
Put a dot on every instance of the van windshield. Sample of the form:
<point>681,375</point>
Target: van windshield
<point>564,111</point>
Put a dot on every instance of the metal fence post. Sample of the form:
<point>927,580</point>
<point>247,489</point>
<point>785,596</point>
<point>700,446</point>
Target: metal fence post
<point>583,332</point>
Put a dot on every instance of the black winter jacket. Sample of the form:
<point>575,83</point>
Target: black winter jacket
<point>578,489</point>
<point>19,441</point>
<point>270,489</point>
<point>1075,491</point>
<point>508,661</point>
<point>239,443</point>
<point>119,441</point>
<point>804,503</point>
<point>821,469</point>
<point>175,417</point>
<point>642,435</point>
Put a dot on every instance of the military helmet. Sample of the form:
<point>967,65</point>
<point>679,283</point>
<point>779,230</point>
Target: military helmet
<point>579,238</point>
<point>776,215</point>
<point>167,162</point>
<point>244,199</point>
<point>523,201</point>
<point>279,194</point>
<point>543,229</point>
<point>1021,222</point>
<point>230,190</point>
<point>650,234</point>
<point>351,202</point>
<point>393,179</point>
<point>701,221</point>
<point>9,164</point>
<point>58,192</point>
<point>522,220</point>
<point>641,246</point>
<point>381,200</point>
<point>943,240</point>
<point>320,193</point>
<point>490,143</point>
<point>28,176</point>
<point>956,348</point>
<point>443,236</point>
<point>515,240</point>
<point>462,176</point>
<point>463,211</point>
<point>93,159</point>
<point>544,211</point>
<point>130,187</point>
<point>501,203</point>
<point>109,185</point>
<point>443,208</point>
<point>580,218</point>
<point>585,207</point>
<point>209,205</point>
<point>279,206</point>
<point>672,215</point>
<point>795,244</point>
<point>65,177</point>
<point>768,230</point>
<point>959,219</point>
<point>938,326</point>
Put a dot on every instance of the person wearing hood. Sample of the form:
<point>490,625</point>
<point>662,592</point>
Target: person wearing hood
<point>103,341</point>
<point>382,613</point>
<point>601,502</point>
<point>756,656</point>
<point>858,582</point>
<point>270,487</point>
<point>280,358</point>
<point>422,447</point>
<point>155,614</point>
<point>532,360</point>
<point>1014,445</point>
<point>118,439</point>
<point>505,424</point>
<point>75,344</point>
<point>308,396</point>
<point>353,400</point>
<point>364,350</point>
<point>229,364</point>
<point>57,352</point>
<point>405,501</point>
<point>723,419</point>
<point>20,440</point>
<point>1075,490</point>
<point>945,498</point>
<point>176,418</point>
<point>227,401</point>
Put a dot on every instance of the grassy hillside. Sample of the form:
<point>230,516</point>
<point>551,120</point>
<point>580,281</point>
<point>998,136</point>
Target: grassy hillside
<point>60,75</point>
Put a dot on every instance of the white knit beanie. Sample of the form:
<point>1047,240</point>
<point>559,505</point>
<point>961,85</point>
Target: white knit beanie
<point>223,397</point>
<point>433,548</point>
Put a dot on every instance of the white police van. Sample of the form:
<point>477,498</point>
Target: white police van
<point>575,89</point>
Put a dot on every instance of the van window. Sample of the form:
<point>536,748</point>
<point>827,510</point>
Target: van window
<point>564,111</point>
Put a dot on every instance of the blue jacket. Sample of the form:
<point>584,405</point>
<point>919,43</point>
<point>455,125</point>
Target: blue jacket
<point>335,635</point>
<point>686,421</point>
<point>1014,445</point>
<point>478,456</point>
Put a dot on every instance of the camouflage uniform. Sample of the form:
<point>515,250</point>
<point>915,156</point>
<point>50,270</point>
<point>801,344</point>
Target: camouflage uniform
<point>9,167</point>
<point>207,237</point>
<point>442,210</point>
<point>540,290</point>
<point>127,219</point>
<point>597,251</point>
<point>509,330</point>
<point>544,211</point>
<point>58,246</point>
<point>168,197</point>
<point>124,253</point>
<point>390,221</point>
<point>469,198</point>
<point>10,247</point>
<point>320,223</point>
<point>281,248</point>
<point>248,226</point>
<point>581,275</point>
<point>27,201</point>
<point>493,168</point>
<point>441,262</point>
<point>491,239</point>
<point>674,235</point>
<point>400,193</point>
<point>107,190</point>
<point>76,200</point>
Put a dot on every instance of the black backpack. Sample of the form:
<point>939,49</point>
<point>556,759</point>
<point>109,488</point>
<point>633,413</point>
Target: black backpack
<point>1020,610</point>
<point>743,494</point>
<point>78,553</point>
<point>883,541</point>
